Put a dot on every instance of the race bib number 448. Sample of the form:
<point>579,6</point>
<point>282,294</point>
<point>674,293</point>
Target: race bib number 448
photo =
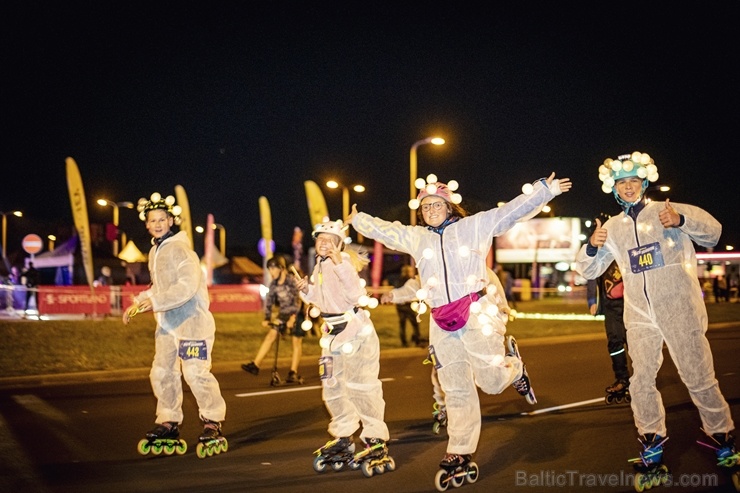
<point>192,349</point>
<point>645,258</point>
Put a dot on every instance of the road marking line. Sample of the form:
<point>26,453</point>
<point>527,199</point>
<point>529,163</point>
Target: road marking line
<point>293,389</point>
<point>564,406</point>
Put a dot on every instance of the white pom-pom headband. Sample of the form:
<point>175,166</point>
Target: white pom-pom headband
<point>156,201</point>
<point>432,187</point>
<point>637,164</point>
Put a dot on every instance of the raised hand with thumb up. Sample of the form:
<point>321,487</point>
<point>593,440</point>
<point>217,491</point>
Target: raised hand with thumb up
<point>668,216</point>
<point>598,237</point>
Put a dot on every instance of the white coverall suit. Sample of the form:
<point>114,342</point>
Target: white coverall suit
<point>352,391</point>
<point>663,304</point>
<point>494,291</point>
<point>185,332</point>
<point>455,263</point>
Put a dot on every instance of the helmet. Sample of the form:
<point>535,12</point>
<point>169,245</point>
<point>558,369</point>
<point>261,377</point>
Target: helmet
<point>627,165</point>
<point>277,261</point>
<point>156,201</point>
<point>432,187</point>
<point>336,228</point>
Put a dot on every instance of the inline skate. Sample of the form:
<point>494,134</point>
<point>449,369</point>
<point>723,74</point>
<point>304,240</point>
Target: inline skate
<point>294,377</point>
<point>374,458</point>
<point>618,392</point>
<point>211,441</point>
<point>455,470</point>
<point>336,454</point>
<point>727,455</point>
<point>649,466</point>
<point>439,416</point>
<point>165,438</point>
<point>523,385</point>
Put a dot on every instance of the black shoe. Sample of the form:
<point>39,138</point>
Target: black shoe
<point>251,368</point>
<point>294,377</point>
<point>523,385</point>
<point>167,429</point>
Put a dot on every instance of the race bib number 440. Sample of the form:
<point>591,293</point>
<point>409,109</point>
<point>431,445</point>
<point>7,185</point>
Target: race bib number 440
<point>192,349</point>
<point>645,258</point>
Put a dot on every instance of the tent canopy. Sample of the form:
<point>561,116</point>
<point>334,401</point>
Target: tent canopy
<point>61,256</point>
<point>245,267</point>
<point>131,253</point>
<point>217,260</point>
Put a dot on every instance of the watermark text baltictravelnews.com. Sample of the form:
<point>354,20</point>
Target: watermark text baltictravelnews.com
<point>575,478</point>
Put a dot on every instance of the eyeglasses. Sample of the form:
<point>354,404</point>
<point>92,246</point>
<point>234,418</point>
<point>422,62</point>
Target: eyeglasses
<point>434,205</point>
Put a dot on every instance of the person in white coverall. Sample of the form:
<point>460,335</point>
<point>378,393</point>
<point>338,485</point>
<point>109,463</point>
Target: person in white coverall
<point>466,337</point>
<point>652,242</point>
<point>407,294</point>
<point>350,349</point>
<point>185,330</point>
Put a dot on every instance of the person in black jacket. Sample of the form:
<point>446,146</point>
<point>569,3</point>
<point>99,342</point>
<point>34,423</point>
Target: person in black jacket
<point>32,277</point>
<point>605,297</point>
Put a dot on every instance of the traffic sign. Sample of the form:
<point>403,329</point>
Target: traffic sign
<point>32,244</point>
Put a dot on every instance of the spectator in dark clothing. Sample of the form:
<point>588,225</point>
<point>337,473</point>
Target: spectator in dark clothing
<point>406,313</point>
<point>605,297</point>
<point>32,277</point>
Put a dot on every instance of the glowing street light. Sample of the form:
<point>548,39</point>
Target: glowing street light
<point>413,168</point>
<point>5,227</point>
<point>115,205</point>
<point>345,200</point>
<point>52,239</point>
<point>345,195</point>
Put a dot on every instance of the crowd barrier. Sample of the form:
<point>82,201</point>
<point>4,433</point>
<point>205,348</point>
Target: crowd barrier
<point>112,300</point>
<point>225,298</point>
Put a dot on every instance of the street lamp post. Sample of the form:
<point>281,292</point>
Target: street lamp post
<point>115,205</point>
<point>52,239</point>
<point>345,199</point>
<point>221,237</point>
<point>413,169</point>
<point>5,227</point>
<point>345,195</point>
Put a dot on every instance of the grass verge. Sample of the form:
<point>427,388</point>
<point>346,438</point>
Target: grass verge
<point>68,346</point>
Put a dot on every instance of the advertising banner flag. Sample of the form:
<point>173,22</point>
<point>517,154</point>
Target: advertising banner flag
<point>186,223</point>
<point>316,204</point>
<point>266,225</point>
<point>79,212</point>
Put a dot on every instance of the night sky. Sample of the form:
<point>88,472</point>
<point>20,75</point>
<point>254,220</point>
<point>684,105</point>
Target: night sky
<point>237,100</point>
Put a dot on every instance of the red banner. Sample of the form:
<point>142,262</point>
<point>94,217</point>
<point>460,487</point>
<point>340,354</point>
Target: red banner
<point>74,299</point>
<point>105,301</point>
<point>128,293</point>
<point>235,297</point>
<point>224,297</point>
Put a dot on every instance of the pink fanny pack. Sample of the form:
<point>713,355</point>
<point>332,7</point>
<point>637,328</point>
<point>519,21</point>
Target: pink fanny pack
<point>453,316</point>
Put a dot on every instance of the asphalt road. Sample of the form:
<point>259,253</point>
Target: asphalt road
<point>71,436</point>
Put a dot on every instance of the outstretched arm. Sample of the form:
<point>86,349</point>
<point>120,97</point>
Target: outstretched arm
<point>564,184</point>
